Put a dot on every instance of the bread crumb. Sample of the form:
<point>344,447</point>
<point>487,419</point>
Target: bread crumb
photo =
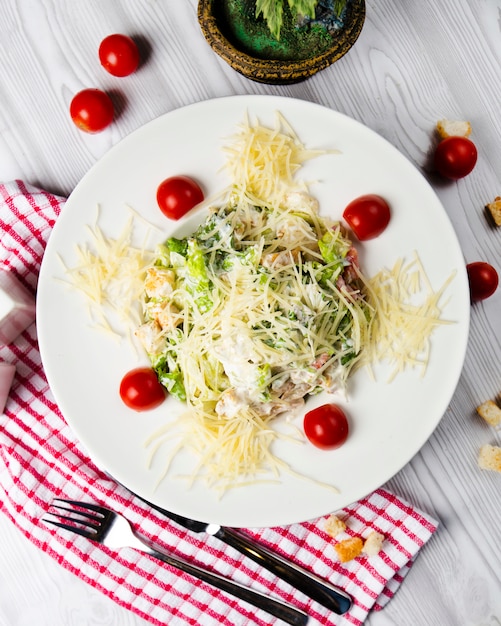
<point>349,549</point>
<point>373,543</point>
<point>495,210</point>
<point>334,526</point>
<point>489,458</point>
<point>490,412</point>
<point>453,128</point>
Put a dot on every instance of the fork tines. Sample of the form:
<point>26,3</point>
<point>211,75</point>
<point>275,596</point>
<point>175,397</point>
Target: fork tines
<point>85,519</point>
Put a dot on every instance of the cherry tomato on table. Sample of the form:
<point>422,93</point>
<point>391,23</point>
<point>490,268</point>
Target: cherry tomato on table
<point>141,390</point>
<point>483,279</point>
<point>92,110</point>
<point>326,427</point>
<point>455,157</point>
<point>367,216</point>
<point>119,55</point>
<point>177,195</point>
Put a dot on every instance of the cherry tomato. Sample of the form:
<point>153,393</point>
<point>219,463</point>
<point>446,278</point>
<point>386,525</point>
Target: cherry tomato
<point>455,157</point>
<point>178,195</point>
<point>119,55</point>
<point>92,110</point>
<point>367,216</point>
<point>141,390</point>
<point>483,279</point>
<point>326,427</point>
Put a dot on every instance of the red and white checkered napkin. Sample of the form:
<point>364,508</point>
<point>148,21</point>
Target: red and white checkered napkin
<point>40,458</point>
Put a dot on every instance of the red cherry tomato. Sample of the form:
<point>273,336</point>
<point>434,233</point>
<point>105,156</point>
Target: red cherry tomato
<point>92,110</point>
<point>119,55</point>
<point>455,157</point>
<point>367,216</point>
<point>326,427</point>
<point>483,279</point>
<point>141,390</point>
<point>178,195</point>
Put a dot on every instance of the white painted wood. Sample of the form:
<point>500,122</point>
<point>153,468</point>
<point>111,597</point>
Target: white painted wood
<point>414,63</point>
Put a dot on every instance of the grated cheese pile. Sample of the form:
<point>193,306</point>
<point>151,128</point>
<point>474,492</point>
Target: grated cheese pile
<point>230,452</point>
<point>262,162</point>
<point>111,272</point>
<point>406,312</point>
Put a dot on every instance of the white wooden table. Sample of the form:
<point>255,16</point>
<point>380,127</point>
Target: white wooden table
<point>414,63</point>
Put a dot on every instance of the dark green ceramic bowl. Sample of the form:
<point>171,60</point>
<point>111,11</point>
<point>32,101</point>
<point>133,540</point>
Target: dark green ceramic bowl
<point>245,43</point>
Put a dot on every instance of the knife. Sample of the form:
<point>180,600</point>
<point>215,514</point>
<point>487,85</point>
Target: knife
<point>329,596</point>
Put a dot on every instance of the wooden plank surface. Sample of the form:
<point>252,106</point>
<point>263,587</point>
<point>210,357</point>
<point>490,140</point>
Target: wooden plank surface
<point>414,63</point>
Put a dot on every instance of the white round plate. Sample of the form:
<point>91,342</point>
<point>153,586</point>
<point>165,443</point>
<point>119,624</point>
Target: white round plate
<point>389,422</point>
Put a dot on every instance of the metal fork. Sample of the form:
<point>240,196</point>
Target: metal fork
<point>111,529</point>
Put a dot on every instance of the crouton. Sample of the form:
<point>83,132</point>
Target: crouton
<point>489,458</point>
<point>453,128</point>
<point>373,543</point>
<point>494,208</point>
<point>334,526</point>
<point>349,549</point>
<point>490,412</point>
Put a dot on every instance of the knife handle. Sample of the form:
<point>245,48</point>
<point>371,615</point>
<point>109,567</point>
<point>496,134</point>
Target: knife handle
<point>324,593</point>
<point>285,612</point>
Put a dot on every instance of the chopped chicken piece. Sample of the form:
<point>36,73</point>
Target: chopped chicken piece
<point>150,336</point>
<point>230,402</point>
<point>293,231</point>
<point>159,282</point>
<point>296,391</point>
<point>166,314</point>
<point>276,260</point>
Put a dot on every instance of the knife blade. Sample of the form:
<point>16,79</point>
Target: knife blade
<point>326,594</point>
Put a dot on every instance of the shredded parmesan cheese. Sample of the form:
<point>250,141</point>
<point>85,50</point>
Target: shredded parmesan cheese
<point>111,273</point>
<point>262,162</point>
<point>231,453</point>
<point>406,312</point>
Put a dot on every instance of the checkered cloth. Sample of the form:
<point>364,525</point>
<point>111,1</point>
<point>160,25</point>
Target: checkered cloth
<point>40,458</point>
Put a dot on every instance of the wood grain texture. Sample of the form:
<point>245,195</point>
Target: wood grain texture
<point>414,63</point>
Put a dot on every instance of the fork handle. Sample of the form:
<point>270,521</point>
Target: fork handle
<point>279,609</point>
<point>324,593</point>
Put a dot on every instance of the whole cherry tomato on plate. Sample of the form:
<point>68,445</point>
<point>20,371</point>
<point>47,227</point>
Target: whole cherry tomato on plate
<point>367,216</point>
<point>483,279</point>
<point>326,427</point>
<point>455,157</point>
<point>177,195</point>
<point>92,110</point>
<point>141,390</point>
<point>119,55</point>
